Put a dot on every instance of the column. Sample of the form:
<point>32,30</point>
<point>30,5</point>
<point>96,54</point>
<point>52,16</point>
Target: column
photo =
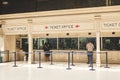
<point>98,62</point>
<point>30,47</point>
<point>3,36</point>
<point>3,41</point>
<point>107,2</point>
<point>97,25</point>
<point>30,42</point>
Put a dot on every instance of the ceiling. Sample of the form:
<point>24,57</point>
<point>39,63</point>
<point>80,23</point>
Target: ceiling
<point>22,6</point>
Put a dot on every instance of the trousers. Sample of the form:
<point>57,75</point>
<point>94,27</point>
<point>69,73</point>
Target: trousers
<point>90,57</point>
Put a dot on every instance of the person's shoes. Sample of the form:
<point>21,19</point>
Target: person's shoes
<point>87,62</point>
<point>90,65</point>
<point>26,59</point>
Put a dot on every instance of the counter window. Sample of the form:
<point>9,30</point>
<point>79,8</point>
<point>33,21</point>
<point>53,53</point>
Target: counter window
<point>68,43</point>
<point>111,43</point>
<point>83,41</point>
<point>63,43</point>
<point>39,42</point>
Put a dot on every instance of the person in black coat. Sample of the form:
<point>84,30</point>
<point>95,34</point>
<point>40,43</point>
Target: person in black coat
<point>46,48</point>
<point>25,48</point>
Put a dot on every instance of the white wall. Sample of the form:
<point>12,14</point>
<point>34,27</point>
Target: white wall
<point>9,45</point>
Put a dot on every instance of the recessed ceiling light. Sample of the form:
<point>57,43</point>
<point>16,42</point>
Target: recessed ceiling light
<point>5,2</point>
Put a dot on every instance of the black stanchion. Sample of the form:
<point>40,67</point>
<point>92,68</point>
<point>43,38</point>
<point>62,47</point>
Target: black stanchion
<point>51,58</point>
<point>107,61</point>
<point>8,54</point>
<point>72,59</point>
<point>39,60</point>
<point>68,61</point>
<point>0,57</point>
<point>14,60</point>
<point>33,62</point>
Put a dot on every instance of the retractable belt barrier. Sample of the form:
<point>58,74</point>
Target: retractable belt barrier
<point>57,52</point>
<point>51,60</point>
<point>107,60</point>
<point>39,60</point>
<point>106,55</point>
<point>70,53</point>
<point>14,59</point>
<point>83,53</point>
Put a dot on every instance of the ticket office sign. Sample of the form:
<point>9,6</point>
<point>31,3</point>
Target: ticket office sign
<point>110,25</point>
<point>16,29</point>
<point>64,27</point>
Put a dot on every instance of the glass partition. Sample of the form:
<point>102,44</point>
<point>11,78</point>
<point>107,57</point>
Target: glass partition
<point>64,43</point>
<point>111,43</point>
<point>39,42</point>
<point>83,41</point>
<point>68,43</point>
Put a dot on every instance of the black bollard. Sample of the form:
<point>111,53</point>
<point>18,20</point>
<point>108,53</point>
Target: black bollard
<point>8,54</point>
<point>39,60</point>
<point>51,58</point>
<point>72,59</point>
<point>68,61</point>
<point>107,61</point>
<point>14,60</point>
<point>0,57</point>
<point>33,58</point>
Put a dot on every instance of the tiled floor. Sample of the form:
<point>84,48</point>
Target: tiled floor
<point>58,71</point>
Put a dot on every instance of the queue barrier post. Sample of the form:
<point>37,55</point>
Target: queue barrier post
<point>51,58</point>
<point>72,59</point>
<point>39,57</point>
<point>33,62</point>
<point>14,60</point>
<point>7,55</point>
<point>106,66</point>
<point>0,57</point>
<point>68,62</point>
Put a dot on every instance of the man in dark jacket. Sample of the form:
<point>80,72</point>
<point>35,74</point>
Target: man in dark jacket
<point>46,49</point>
<point>25,48</point>
<point>90,48</point>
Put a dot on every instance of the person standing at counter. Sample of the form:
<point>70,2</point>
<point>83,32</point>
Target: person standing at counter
<point>90,48</point>
<point>25,48</point>
<point>46,48</point>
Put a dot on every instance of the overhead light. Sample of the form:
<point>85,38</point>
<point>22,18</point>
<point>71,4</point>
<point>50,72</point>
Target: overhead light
<point>0,25</point>
<point>47,34</point>
<point>5,2</point>
<point>67,34</point>
<point>113,32</point>
<point>89,33</point>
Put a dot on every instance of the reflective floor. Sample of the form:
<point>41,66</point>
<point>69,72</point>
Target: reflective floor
<point>58,71</point>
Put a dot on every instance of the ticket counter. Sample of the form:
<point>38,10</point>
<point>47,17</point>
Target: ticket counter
<point>66,30</point>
